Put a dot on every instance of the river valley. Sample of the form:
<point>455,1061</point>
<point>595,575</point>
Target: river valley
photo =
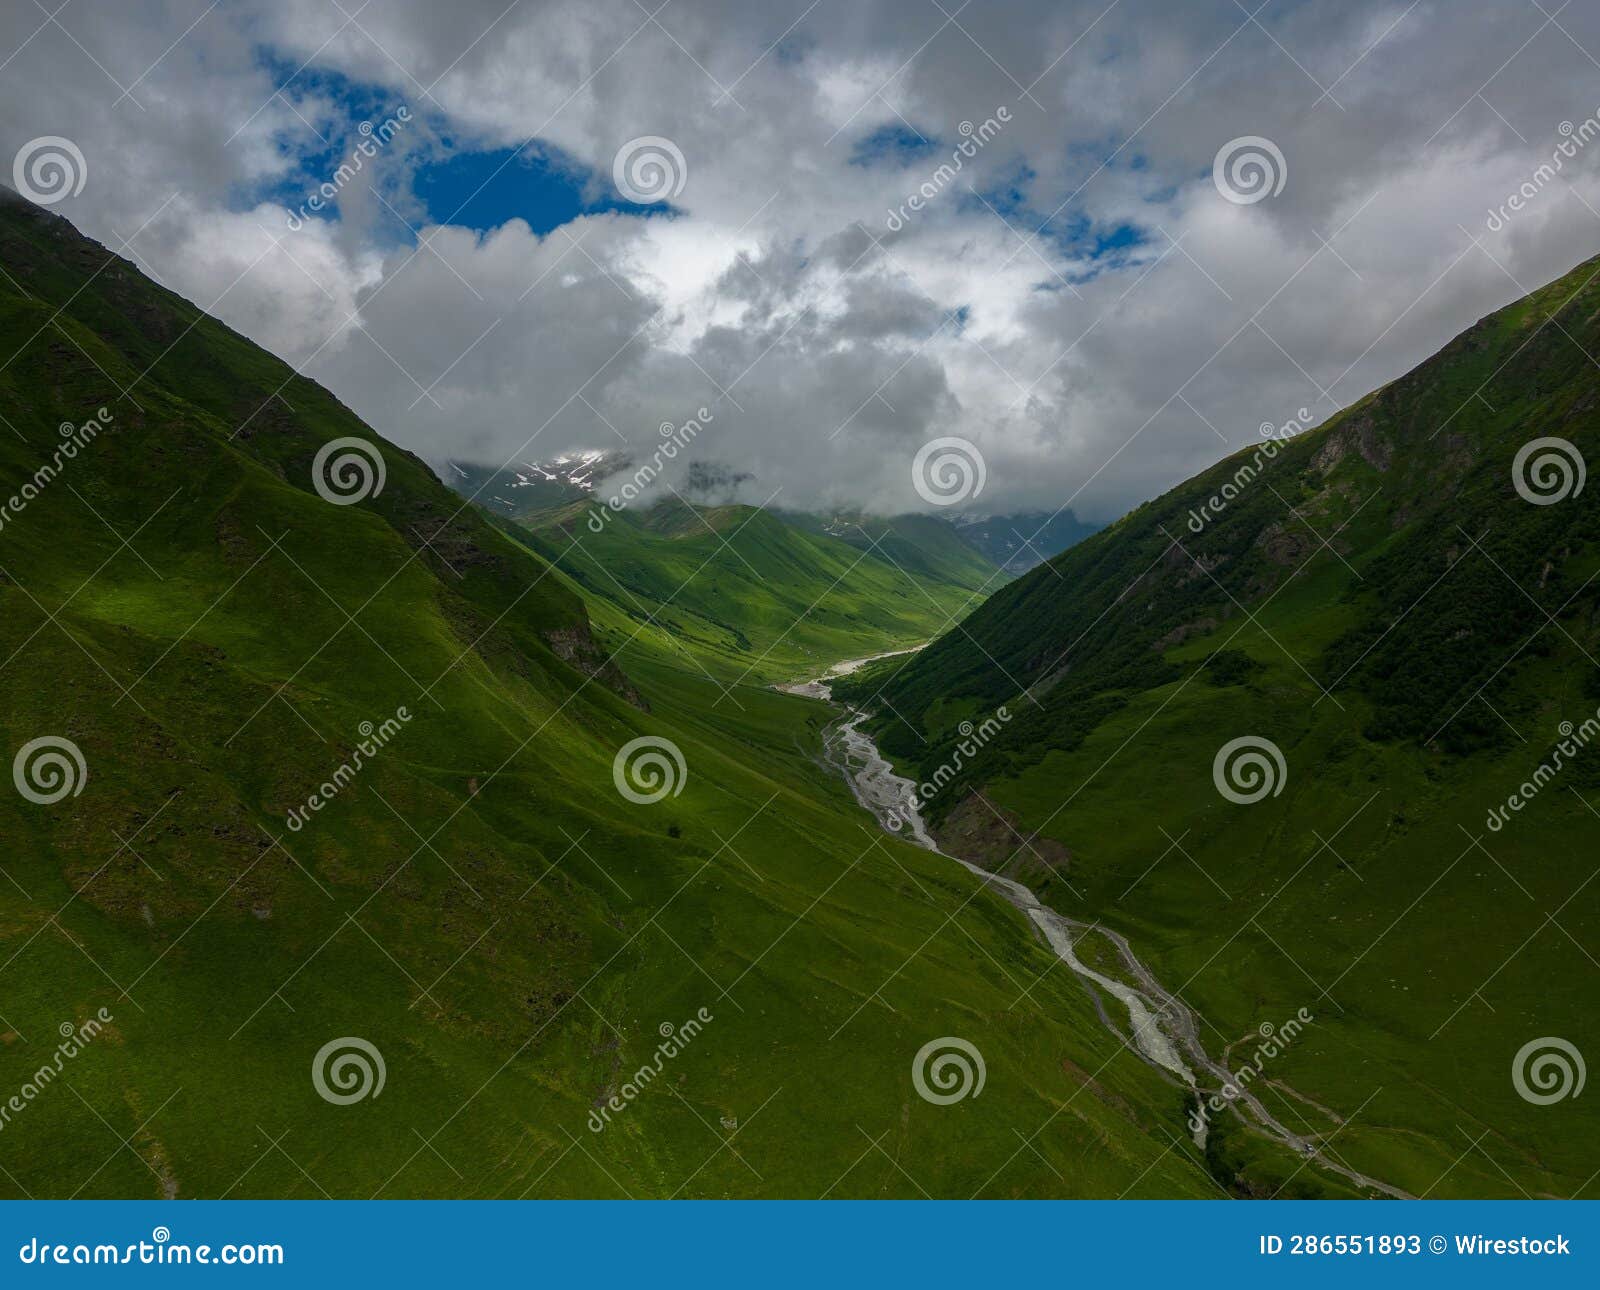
<point>1162,1028</point>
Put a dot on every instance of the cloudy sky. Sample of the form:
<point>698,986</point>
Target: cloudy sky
<point>1089,298</point>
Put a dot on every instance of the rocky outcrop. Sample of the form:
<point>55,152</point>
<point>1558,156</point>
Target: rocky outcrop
<point>991,837</point>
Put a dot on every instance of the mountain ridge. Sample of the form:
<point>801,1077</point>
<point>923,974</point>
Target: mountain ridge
<point>306,752</point>
<point>1395,615</point>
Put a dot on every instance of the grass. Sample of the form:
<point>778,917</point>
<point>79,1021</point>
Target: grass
<point>479,902</point>
<point>738,593</point>
<point>1384,607</point>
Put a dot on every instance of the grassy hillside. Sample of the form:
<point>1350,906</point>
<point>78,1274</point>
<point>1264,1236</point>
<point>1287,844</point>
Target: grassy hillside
<point>743,594</point>
<point>478,902</point>
<point>1379,601</point>
<point>923,545</point>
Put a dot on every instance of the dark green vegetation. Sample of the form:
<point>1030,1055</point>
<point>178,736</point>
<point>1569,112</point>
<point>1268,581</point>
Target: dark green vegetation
<point>740,593</point>
<point>735,592</point>
<point>936,556</point>
<point>923,545</point>
<point>478,901</point>
<point>1377,600</point>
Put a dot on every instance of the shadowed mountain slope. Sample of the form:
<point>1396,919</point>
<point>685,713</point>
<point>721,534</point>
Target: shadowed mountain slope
<point>348,776</point>
<point>1399,613</point>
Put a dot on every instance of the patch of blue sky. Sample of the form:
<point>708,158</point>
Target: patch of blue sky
<point>326,110</point>
<point>538,183</point>
<point>444,178</point>
<point>1097,246</point>
<point>894,145</point>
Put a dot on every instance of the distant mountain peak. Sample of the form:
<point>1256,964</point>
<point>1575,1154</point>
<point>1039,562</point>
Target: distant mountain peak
<point>520,486</point>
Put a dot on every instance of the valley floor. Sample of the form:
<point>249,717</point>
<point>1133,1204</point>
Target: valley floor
<point>1157,1024</point>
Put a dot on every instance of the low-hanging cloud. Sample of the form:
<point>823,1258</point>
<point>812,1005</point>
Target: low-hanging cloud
<point>1074,295</point>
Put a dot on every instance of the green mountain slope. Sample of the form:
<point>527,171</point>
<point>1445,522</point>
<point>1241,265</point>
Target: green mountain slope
<point>1379,601</point>
<point>748,595</point>
<point>475,898</point>
<point>922,545</point>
